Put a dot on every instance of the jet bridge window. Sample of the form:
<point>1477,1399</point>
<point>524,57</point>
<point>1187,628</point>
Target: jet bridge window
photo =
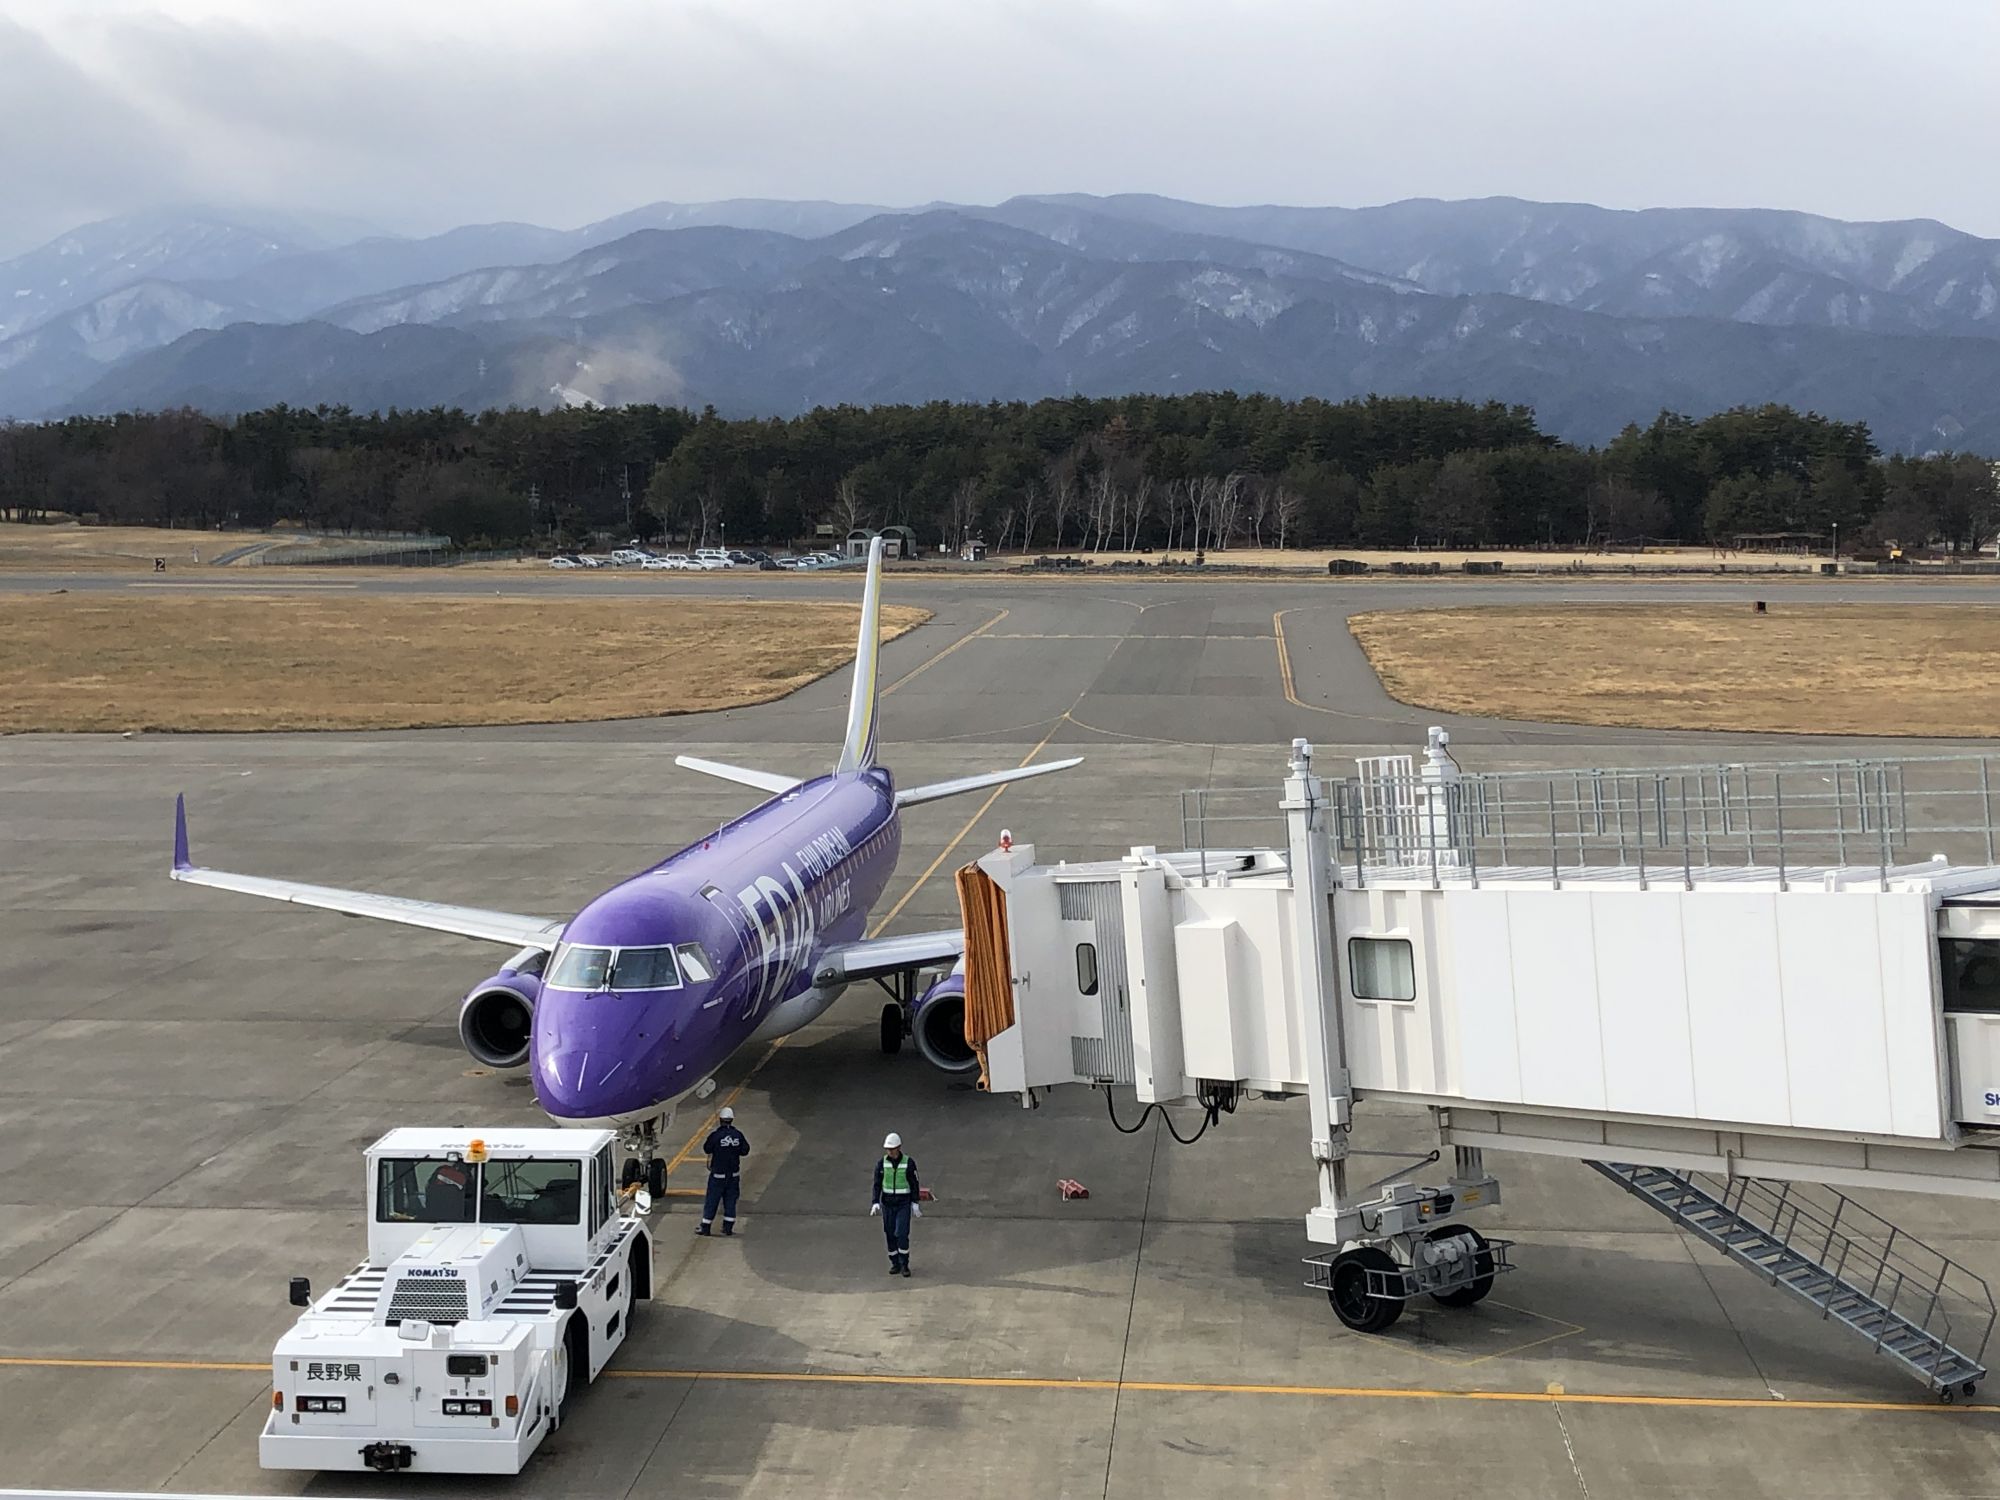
<point>532,1192</point>
<point>424,1190</point>
<point>1381,969</point>
<point>1971,974</point>
<point>1086,968</point>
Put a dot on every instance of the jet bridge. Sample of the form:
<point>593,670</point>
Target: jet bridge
<point>1732,989</point>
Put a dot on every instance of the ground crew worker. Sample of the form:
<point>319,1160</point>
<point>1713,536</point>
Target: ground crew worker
<point>895,1200</point>
<point>448,1195</point>
<point>726,1149</point>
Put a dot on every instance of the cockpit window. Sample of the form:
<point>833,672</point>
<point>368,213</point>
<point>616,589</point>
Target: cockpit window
<point>695,964</point>
<point>645,969</point>
<point>581,969</point>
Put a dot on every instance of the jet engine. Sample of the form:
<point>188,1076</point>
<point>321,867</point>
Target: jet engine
<point>498,1017</point>
<point>937,1022</point>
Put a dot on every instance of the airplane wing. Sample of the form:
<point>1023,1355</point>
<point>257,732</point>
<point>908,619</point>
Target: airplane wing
<point>911,796</point>
<point>463,921</point>
<point>875,956</point>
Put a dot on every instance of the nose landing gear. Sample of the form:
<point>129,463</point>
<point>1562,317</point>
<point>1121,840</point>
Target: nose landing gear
<point>645,1166</point>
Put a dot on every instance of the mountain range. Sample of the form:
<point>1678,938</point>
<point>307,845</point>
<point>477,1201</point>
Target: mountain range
<point>1595,317</point>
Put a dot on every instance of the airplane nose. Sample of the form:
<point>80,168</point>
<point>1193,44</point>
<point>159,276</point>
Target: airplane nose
<point>559,1081</point>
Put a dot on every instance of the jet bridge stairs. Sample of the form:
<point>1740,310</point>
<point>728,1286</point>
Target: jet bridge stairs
<point>1916,1306</point>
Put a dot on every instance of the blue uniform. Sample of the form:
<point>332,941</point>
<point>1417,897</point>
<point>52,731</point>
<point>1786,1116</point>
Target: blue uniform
<point>896,1190</point>
<point>726,1148</point>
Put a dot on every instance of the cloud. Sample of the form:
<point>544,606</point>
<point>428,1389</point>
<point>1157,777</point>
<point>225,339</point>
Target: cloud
<point>425,115</point>
<point>72,148</point>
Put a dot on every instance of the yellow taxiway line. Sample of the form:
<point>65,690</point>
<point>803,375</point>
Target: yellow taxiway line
<point>1554,1395</point>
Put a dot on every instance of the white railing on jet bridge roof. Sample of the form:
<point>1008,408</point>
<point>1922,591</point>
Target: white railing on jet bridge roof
<point>1786,822</point>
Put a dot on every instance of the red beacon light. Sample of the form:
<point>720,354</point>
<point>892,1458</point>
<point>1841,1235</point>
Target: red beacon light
<point>1006,841</point>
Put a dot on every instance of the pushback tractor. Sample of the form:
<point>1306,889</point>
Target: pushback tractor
<point>503,1269</point>
<point>1730,990</point>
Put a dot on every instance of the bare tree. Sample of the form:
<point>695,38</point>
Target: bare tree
<point>847,504</point>
<point>1142,497</point>
<point>1214,503</point>
<point>964,504</point>
<point>1062,502</point>
<point>1103,509</point>
<point>1260,507</point>
<point>708,503</point>
<point>1032,498</point>
<point>1288,507</point>
<point>1201,495</point>
<point>1616,510</point>
<point>1176,504</point>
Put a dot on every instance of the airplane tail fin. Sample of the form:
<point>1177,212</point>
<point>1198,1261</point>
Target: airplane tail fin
<point>857,753</point>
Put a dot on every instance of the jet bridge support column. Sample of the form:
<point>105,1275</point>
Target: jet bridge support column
<point>1393,1240</point>
<point>1307,814</point>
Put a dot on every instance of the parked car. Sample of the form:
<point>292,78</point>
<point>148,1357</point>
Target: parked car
<point>564,560</point>
<point>629,557</point>
<point>589,561</point>
<point>711,557</point>
<point>660,565</point>
<point>679,561</point>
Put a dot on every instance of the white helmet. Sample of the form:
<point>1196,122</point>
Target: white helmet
<point>726,1113</point>
<point>892,1140</point>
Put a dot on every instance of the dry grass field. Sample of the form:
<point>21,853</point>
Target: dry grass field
<point>352,661</point>
<point>1863,669</point>
<point>69,548</point>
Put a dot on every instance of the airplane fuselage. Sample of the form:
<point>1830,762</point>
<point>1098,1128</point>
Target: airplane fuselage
<point>723,938</point>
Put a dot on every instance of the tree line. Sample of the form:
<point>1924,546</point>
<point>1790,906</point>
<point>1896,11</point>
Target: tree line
<point>1205,472</point>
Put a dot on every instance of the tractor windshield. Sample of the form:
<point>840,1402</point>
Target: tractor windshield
<point>424,1190</point>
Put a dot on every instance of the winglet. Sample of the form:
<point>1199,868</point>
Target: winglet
<point>181,860</point>
<point>857,753</point>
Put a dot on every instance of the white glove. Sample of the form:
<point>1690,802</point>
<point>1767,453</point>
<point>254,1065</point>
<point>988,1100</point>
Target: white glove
<point>916,1210</point>
<point>875,1210</point>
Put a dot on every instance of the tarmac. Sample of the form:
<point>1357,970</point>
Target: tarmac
<point>187,1077</point>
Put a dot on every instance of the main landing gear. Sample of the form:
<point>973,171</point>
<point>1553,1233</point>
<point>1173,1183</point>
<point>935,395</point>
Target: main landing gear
<point>902,990</point>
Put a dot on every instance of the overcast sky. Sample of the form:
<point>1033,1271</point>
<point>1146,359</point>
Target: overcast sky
<point>415,115</point>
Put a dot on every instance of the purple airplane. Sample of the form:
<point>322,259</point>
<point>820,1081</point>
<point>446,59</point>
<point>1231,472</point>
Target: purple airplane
<point>634,1004</point>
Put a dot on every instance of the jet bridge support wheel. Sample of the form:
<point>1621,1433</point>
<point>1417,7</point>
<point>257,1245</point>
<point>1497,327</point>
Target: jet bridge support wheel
<point>1349,1292</point>
<point>1476,1289</point>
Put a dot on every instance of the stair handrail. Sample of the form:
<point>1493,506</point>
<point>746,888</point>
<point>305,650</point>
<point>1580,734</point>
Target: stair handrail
<point>1782,1208</point>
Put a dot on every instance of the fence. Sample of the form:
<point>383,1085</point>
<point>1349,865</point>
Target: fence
<point>1793,821</point>
<point>374,557</point>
